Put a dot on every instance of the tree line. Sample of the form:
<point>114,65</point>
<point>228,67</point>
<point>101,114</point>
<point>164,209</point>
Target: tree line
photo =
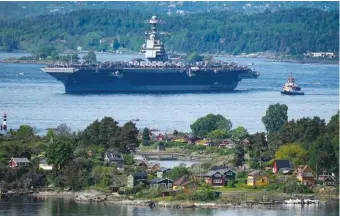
<point>78,157</point>
<point>303,141</point>
<point>292,31</point>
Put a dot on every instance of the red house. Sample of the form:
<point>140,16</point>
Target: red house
<point>160,137</point>
<point>214,178</point>
<point>281,165</point>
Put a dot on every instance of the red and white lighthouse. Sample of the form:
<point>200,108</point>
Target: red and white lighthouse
<point>4,122</point>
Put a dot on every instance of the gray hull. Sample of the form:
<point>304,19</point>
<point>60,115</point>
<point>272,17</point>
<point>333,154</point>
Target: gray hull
<point>125,87</point>
<point>149,80</point>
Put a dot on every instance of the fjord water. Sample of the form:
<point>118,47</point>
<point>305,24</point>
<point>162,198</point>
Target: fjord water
<point>32,97</point>
<point>28,206</point>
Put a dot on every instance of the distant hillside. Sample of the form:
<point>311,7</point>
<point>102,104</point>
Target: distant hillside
<point>19,9</point>
<point>292,31</point>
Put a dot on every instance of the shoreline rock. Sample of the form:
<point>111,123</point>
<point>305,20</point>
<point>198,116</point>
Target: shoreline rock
<point>95,196</point>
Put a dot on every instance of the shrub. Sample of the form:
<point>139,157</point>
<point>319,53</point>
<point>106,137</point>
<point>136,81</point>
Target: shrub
<point>242,174</point>
<point>203,196</point>
<point>295,187</point>
<point>231,184</point>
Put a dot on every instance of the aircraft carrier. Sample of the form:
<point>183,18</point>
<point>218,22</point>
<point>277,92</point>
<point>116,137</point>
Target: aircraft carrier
<point>155,73</point>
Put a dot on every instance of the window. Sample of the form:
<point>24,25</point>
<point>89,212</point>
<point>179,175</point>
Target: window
<point>217,181</point>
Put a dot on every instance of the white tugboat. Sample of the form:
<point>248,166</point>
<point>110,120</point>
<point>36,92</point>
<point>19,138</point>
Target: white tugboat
<point>291,88</point>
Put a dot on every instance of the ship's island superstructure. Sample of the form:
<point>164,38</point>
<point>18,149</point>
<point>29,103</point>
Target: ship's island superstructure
<point>154,74</point>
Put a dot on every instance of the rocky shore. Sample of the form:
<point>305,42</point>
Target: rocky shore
<point>114,198</point>
<point>20,61</point>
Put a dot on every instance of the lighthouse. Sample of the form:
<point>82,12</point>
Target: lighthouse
<point>4,122</point>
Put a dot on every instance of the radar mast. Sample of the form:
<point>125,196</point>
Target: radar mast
<point>153,48</point>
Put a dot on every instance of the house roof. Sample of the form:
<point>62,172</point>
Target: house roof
<point>140,174</point>
<point>327,178</point>
<point>219,167</point>
<point>182,180</point>
<point>211,173</point>
<point>114,156</point>
<point>139,162</point>
<point>282,164</point>
<point>21,160</point>
<point>257,173</point>
<point>152,164</point>
<point>163,169</point>
<point>157,180</point>
<point>303,169</point>
<point>43,161</point>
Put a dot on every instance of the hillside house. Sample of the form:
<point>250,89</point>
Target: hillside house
<point>227,143</point>
<point>136,179</point>
<point>226,171</point>
<point>185,183</point>
<point>18,162</point>
<point>162,171</point>
<point>304,174</point>
<point>257,178</point>
<point>153,167</point>
<point>141,163</point>
<point>162,183</point>
<point>214,178</point>
<point>283,166</point>
<point>114,157</point>
<point>44,166</point>
<point>327,179</point>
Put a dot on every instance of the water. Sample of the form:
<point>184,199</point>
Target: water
<point>56,207</point>
<point>39,100</point>
<point>170,164</point>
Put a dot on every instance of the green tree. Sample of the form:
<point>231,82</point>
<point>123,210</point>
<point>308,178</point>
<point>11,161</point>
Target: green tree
<point>195,57</point>
<point>177,172</point>
<point>116,44</point>
<point>258,147</point>
<point>293,152</point>
<point>146,136</point>
<point>323,155</point>
<point>100,132</point>
<point>76,173</point>
<point>92,39</point>
<point>128,159</point>
<point>62,130</point>
<point>276,116</point>
<point>127,140</point>
<point>239,155</point>
<point>239,133</point>
<point>25,132</point>
<point>60,152</point>
<point>304,130</point>
<point>219,134</point>
<point>204,125</point>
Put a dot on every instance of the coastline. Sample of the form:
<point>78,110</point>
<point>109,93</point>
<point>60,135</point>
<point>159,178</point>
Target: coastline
<point>268,58</point>
<point>231,202</point>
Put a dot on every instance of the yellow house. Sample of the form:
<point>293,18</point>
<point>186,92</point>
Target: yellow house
<point>44,166</point>
<point>257,178</point>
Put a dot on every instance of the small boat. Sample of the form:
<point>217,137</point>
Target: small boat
<point>301,202</point>
<point>291,201</point>
<point>291,88</point>
<point>21,74</point>
<point>135,119</point>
